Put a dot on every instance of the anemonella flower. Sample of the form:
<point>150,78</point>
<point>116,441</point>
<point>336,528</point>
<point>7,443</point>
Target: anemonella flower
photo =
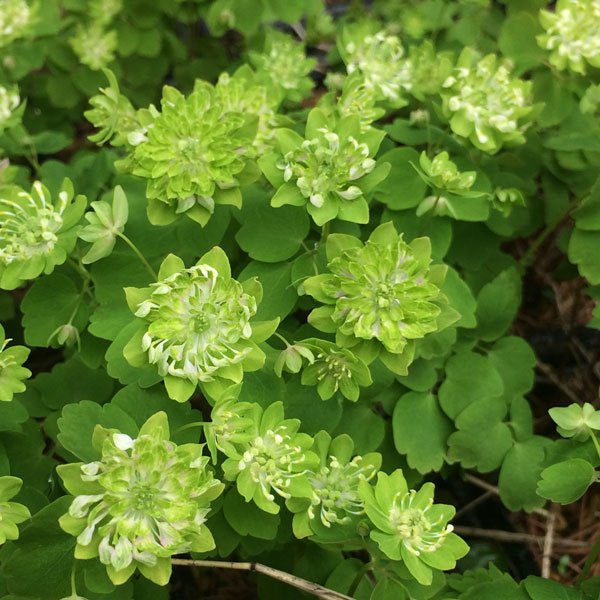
<point>329,170</point>
<point>379,58</point>
<point>195,324</point>
<point>11,513</point>
<point>94,45</point>
<point>410,527</point>
<point>572,34</point>
<point>442,174</point>
<point>10,112</point>
<point>379,297</point>
<point>334,482</point>
<point>15,19</point>
<point>194,153</point>
<point>485,104</point>
<point>146,499</point>
<point>36,232</point>
<point>334,368</point>
<point>273,462</point>
<point>12,371</point>
<point>284,66</point>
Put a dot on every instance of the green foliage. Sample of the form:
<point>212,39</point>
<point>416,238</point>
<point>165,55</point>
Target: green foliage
<point>344,316</point>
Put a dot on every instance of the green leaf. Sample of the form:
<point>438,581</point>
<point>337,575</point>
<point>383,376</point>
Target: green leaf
<point>277,279</point>
<point>520,471</point>
<point>546,589</point>
<point>49,304</point>
<point>517,40</point>
<point>388,589</point>
<point>514,359</point>
<point>482,439</point>
<point>421,431</point>
<point>273,234</point>
<point>78,422</point>
<point>460,298</point>
<point>497,305</point>
<point>566,481</point>
<point>365,427</point>
<point>583,251</point>
<point>587,216</point>
<point>470,378</point>
<point>41,560</point>
<point>403,188</point>
<point>247,519</point>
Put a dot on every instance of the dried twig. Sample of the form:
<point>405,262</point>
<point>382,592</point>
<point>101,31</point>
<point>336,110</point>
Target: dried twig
<point>547,369</point>
<point>516,538</point>
<point>548,543</point>
<point>302,584</point>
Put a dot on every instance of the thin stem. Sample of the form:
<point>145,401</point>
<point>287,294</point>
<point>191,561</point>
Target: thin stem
<point>190,426</point>
<point>591,559</point>
<point>325,232</point>
<point>596,444</point>
<point>359,576</point>
<point>85,274</point>
<point>302,584</point>
<point>527,258</point>
<point>287,344</point>
<point>139,255</point>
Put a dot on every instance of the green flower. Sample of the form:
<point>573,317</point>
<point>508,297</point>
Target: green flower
<point>36,234</point>
<point>381,296</point>
<point>442,174</point>
<point>575,421</point>
<point>428,70</point>
<point>240,93</point>
<point>410,527</point>
<point>104,11</point>
<point>329,171</point>
<point>358,99</point>
<point>379,59</point>
<point>335,368</point>
<point>274,461</point>
<point>292,358</point>
<point>572,34</point>
<point>194,154</point>
<point>10,108</point>
<point>94,45</point>
<point>16,17</point>
<point>143,501</point>
<point>12,373</point>
<point>230,422</point>
<point>11,513</point>
<point>503,199</point>
<point>334,482</point>
<point>485,104</point>
<point>283,65</point>
<point>195,325</point>
<point>113,114</point>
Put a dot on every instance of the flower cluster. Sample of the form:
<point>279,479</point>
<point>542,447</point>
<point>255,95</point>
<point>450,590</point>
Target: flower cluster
<point>195,324</point>
<point>428,70</point>
<point>194,154</point>
<point>334,484</point>
<point>113,114</point>
<point>12,373</point>
<point>504,199</point>
<point>410,527</point>
<point>273,459</point>
<point>94,45</point>
<point>240,93</point>
<point>11,513</point>
<point>576,421</point>
<point>572,34</point>
<point>334,368</point>
<point>442,174</point>
<point>485,104</point>
<point>15,20</point>
<point>379,297</point>
<point>283,65</point>
<point>359,99</point>
<point>10,112</point>
<point>380,60</point>
<point>36,233</point>
<point>329,171</point>
<point>144,500</point>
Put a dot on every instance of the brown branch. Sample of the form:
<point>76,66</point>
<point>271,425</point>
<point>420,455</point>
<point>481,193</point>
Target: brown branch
<point>548,544</point>
<point>302,584</point>
<point>515,537</point>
